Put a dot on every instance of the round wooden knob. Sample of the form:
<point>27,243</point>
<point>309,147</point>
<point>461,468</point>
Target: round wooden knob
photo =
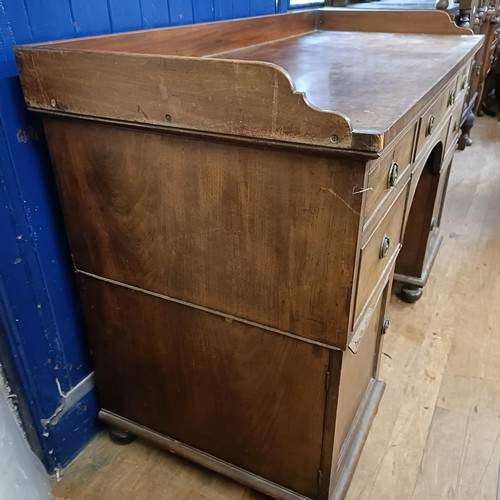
<point>441,4</point>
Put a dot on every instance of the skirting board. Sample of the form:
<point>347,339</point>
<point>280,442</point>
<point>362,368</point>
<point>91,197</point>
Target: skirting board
<point>353,446</point>
<point>355,440</point>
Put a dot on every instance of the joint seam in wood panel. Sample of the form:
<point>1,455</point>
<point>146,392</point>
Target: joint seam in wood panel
<point>211,311</point>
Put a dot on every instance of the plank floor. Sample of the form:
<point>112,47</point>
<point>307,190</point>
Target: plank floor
<point>437,432</point>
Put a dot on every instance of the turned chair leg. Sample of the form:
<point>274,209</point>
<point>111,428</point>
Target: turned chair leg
<point>465,139</point>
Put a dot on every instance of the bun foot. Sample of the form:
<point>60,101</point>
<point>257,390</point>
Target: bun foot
<point>120,436</point>
<point>410,294</point>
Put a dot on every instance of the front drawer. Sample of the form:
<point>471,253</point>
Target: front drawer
<point>378,250</point>
<point>386,175</point>
<point>463,79</point>
<point>431,120</point>
<point>454,125</point>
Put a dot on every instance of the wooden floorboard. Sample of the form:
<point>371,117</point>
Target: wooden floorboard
<point>437,432</point>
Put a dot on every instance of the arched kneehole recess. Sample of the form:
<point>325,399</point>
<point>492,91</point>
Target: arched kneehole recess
<point>422,237</point>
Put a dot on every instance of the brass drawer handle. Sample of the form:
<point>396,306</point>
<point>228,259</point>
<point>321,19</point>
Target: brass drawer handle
<point>464,83</point>
<point>451,98</point>
<point>385,325</point>
<point>392,178</point>
<point>430,125</point>
<point>384,246</point>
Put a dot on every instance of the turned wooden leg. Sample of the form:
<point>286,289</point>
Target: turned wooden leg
<point>465,139</point>
<point>120,436</point>
<point>497,91</point>
<point>410,293</point>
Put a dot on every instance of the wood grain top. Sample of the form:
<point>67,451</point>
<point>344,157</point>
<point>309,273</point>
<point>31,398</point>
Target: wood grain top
<point>372,78</point>
<point>198,40</point>
<point>322,78</point>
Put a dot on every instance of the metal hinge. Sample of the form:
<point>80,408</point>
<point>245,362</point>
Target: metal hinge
<point>320,477</point>
<point>327,381</point>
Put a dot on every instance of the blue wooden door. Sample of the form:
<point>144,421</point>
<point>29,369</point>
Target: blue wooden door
<point>39,312</point>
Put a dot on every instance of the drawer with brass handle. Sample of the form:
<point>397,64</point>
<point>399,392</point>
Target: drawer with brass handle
<point>463,80</point>
<point>386,175</point>
<point>378,251</point>
<point>454,126</point>
<point>432,119</point>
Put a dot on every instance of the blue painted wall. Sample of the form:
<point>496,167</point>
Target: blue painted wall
<point>38,305</point>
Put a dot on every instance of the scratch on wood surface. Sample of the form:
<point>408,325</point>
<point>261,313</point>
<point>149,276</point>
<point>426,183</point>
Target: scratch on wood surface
<point>498,483</point>
<point>361,190</point>
<point>274,116</point>
<point>31,68</point>
<point>341,199</point>
<point>140,110</point>
<point>463,454</point>
<point>163,89</point>
<point>486,468</point>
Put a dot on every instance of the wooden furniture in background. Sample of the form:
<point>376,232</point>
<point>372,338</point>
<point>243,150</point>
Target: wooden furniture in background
<point>235,209</point>
<point>482,17</point>
<point>486,23</point>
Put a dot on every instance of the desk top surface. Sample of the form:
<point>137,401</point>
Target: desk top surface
<point>369,77</point>
<point>308,77</point>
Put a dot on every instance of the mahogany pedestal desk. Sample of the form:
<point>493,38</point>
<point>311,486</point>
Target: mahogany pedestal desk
<point>235,207</point>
